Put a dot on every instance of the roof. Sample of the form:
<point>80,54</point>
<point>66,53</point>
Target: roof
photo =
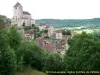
<point>26,13</point>
<point>28,32</point>
<point>46,45</point>
<point>47,26</point>
<point>24,18</point>
<point>17,4</point>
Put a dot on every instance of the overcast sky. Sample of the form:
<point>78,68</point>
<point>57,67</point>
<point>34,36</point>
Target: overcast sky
<point>56,9</point>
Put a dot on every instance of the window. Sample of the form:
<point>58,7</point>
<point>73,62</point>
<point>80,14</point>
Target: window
<point>16,18</point>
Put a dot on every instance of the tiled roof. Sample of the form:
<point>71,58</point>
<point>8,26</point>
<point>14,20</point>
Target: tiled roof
<point>26,13</point>
<point>17,4</point>
<point>49,47</point>
<point>24,18</point>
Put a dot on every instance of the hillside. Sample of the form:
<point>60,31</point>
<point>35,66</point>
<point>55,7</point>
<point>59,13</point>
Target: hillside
<point>58,23</point>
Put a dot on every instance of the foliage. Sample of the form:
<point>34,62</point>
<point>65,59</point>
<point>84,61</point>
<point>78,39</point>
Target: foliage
<point>44,31</point>
<point>33,25</point>
<point>83,53</point>
<point>27,27</point>
<point>66,32</point>
<point>58,23</point>
<point>2,24</point>
<point>14,38</point>
<point>7,58</point>
<point>53,63</point>
<point>31,55</point>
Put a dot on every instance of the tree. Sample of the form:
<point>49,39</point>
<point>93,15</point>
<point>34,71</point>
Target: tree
<point>45,31</point>
<point>14,38</point>
<point>32,55</point>
<point>53,63</point>
<point>2,24</point>
<point>33,25</point>
<point>66,32</point>
<point>7,58</point>
<point>83,53</point>
<point>27,27</point>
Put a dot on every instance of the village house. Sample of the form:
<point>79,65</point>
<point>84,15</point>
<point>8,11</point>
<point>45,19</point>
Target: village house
<point>42,27</point>
<point>58,34</point>
<point>48,27</point>
<point>28,35</point>
<point>21,17</point>
<point>46,45</point>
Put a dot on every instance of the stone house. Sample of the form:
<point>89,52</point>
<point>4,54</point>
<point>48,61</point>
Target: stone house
<point>28,35</point>
<point>48,27</point>
<point>58,34</point>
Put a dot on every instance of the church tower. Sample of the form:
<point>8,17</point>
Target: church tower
<point>17,13</point>
<point>20,16</point>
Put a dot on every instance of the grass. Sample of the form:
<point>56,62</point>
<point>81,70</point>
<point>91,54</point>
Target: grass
<point>30,71</point>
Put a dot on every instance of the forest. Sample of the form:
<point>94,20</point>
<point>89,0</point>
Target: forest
<point>59,23</point>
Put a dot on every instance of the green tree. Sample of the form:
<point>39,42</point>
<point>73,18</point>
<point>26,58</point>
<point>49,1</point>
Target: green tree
<point>7,58</point>
<point>66,32</point>
<point>53,63</point>
<point>33,25</point>
<point>14,38</point>
<point>2,24</point>
<point>32,55</point>
<point>83,53</point>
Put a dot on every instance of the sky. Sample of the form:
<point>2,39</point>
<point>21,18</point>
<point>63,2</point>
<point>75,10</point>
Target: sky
<point>54,9</point>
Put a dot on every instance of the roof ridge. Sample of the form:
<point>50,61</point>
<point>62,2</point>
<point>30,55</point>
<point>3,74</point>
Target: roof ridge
<point>17,4</point>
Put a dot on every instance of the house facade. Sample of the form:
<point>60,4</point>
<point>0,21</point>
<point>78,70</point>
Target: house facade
<point>21,17</point>
<point>28,35</point>
<point>48,27</point>
<point>58,34</point>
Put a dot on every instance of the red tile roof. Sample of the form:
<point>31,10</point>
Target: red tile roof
<point>26,13</point>
<point>50,47</point>
<point>46,45</point>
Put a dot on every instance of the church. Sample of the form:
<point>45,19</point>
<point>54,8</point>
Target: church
<point>20,17</point>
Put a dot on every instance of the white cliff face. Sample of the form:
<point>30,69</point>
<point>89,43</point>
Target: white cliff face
<point>20,16</point>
